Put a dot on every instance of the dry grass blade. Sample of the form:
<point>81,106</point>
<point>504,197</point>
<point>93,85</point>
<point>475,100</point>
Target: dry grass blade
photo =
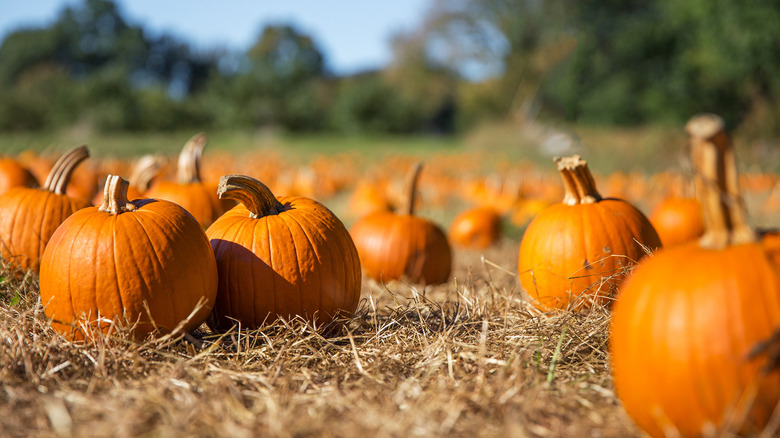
<point>466,358</point>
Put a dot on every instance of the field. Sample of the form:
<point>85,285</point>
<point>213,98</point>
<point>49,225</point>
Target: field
<point>467,358</point>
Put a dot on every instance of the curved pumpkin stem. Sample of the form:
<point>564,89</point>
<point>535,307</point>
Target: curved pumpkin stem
<point>188,168</point>
<point>255,196</point>
<point>59,176</point>
<point>115,196</point>
<point>146,169</point>
<point>411,196</point>
<point>578,183</point>
<point>717,183</point>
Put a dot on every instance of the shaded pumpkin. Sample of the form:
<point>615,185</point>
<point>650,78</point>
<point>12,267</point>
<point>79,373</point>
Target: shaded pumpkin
<point>574,254</point>
<point>145,170</point>
<point>677,220</point>
<point>29,216</point>
<point>696,328</point>
<point>476,228</point>
<point>397,245</point>
<point>281,256</point>
<point>13,174</point>
<point>144,264</point>
<point>189,191</point>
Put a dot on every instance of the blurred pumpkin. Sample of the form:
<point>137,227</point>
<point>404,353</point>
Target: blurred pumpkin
<point>476,228</point>
<point>13,174</point>
<point>677,220</point>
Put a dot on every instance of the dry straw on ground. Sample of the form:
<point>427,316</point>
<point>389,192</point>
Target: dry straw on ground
<point>468,358</point>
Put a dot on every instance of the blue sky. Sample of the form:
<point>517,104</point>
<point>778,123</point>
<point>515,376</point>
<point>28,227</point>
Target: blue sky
<point>353,34</point>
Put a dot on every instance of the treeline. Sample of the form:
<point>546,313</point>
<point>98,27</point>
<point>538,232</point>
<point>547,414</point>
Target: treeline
<point>609,62</point>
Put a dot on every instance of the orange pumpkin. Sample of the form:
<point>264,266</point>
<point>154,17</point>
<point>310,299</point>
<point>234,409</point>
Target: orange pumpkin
<point>280,257</point>
<point>393,245</point>
<point>145,264</point>
<point>13,174</point>
<point>693,327</point>
<point>197,197</point>
<point>573,254</point>
<point>476,228</point>
<point>677,220</point>
<point>146,169</point>
<point>29,216</point>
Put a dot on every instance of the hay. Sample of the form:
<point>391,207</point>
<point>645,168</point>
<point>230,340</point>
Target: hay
<point>466,358</point>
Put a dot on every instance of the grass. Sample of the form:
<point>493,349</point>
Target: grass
<point>468,358</point>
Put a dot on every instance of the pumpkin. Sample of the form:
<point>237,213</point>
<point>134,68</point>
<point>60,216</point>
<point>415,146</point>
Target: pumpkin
<point>197,197</point>
<point>476,228</point>
<point>280,257</point>
<point>143,264</point>
<point>677,220</point>
<point>693,326</point>
<point>29,216</point>
<point>13,174</point>
<point>145,170</point>
<point>573,254</point>
<point>395,245</point>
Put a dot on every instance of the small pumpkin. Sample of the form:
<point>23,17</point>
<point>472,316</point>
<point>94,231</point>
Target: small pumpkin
<point>395,245</point>
<point>677,220</point>
<point>13,174</point>
<point>189,191</point>
<point>693,326</point>
<point>280,257</point>
<point>29,216</point>
<point>476,228</point>
<point>572,254</point>
<point>144,264</point>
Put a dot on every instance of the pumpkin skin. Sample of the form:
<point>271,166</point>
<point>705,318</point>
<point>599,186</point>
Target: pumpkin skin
<point>393,246</point>
<point>120,259</point>
<point>677,220</point>
<point>573,253</point>
<point>13,174</point>
<point>695,329</point>
<point>476,228</point>
<point>283,256</point>
<point>29,216</point>
<point>195,196</point>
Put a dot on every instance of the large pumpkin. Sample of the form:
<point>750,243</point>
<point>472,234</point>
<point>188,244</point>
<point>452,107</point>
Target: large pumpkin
<point>573,254</point>
<point>393,245</point>
<point>189,191</point>
<point>13,174</point>
<point>144,264</point>
<point>280,257</point>
<point>693,326</point>
<point>29,216</point>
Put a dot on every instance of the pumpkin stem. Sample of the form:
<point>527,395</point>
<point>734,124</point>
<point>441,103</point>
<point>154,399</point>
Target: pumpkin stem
<point>578,182</point>
<point>145,170</point>
<point>188,168</point>
<point>255,196</point>
<point>115,196</point>
<point>411,197</point>
<point>717,183</point>
<point>59,176</point>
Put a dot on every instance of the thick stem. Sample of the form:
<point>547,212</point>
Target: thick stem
<point>717,184</point>
<point>115,196</point>
<point>188,168</point>
<point>411,194</point>
<point>146,169</point>
<point>255,196</point>
<point>59,176</point>
<point>578,183</point>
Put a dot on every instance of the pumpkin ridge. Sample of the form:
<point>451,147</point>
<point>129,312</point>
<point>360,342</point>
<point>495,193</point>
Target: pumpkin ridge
<point>300,283</point>
<point>118,261</point>
<point>270,241</point>
<point>233,269</point>
<point>70,270</point>
<point>313,247</point>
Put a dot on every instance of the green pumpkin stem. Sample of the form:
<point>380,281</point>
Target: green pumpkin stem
<point>188,167</point>
<point>717,184</point>
<point>146,169</point>
<point>115,196</point>
<point>59,176</point>
<point>255,196</point>
<point>578,183</point>
<point>411,196</point>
